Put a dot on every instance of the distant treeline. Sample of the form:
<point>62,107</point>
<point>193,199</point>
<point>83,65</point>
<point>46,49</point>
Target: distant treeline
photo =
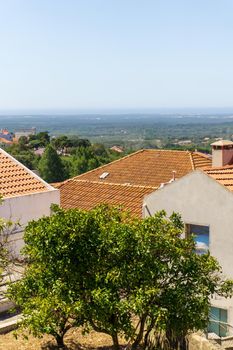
<point>62,157</point>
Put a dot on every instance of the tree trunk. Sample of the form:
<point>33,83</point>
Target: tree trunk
<point>60,341</point>
<point>140,334</point>
<point>147,334</point>
<point>115,342</point>
<point>183,343</point>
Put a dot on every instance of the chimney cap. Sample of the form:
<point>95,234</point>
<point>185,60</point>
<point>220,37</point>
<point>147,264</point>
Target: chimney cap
<point>222,143</point>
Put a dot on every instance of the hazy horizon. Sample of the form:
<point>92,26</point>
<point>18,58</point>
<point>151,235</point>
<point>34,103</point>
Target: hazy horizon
<point>115,111</point>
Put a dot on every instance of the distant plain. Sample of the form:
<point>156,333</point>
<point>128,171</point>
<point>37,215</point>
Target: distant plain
<point>130,130</point>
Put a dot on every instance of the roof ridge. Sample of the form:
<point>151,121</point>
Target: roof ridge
<point>104,165</point>
<point>202,154</point>
<point>112,183</point>
<point>191,159</point>
<point>128,156</point>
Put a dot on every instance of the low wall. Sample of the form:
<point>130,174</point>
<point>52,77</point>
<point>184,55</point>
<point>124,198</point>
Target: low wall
<point>197,342</point>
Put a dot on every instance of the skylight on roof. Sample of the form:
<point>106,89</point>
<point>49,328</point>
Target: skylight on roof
<point>104,175</point>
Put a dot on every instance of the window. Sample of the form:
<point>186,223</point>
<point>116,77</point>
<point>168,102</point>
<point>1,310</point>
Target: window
<point>201,237</point>
<point>218,321</point>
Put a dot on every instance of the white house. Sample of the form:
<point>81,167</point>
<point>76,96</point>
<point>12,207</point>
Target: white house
<point>204,198</point>
<point>25,196</point>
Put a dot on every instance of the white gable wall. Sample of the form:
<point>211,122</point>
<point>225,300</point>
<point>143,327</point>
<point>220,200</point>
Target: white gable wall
<point>201,200</point>
<point>25,208</point>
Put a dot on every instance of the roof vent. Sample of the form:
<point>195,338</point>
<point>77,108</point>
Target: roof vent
<point>104,175</point>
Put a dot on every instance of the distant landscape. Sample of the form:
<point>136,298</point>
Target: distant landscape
<point>135,131</point>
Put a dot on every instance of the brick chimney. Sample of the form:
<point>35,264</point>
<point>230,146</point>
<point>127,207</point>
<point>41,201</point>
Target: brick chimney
<point>222,153</point>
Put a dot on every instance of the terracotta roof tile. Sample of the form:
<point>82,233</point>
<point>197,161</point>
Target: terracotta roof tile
<point>16,179</point>
<point>149,167</point>
<point>223,175</point>
<point>128,179</point>
<point>201,160</point>
<point>86,195</point>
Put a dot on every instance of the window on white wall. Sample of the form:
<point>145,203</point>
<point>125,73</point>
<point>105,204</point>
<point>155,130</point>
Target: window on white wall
<point>201,237</point>
<point>218,321</point>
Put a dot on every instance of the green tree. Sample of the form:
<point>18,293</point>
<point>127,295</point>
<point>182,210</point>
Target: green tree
<point>50,165</point>
<point>84,160</point>
<point>99,150</point>
<point>41,139</point>
<point>61,143</point>
<point>147,271</point>
<point>22,143</point>
<point>103,269</point>
<point>61,251</point>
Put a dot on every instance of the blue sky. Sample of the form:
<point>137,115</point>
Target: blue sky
<point>77,54</point>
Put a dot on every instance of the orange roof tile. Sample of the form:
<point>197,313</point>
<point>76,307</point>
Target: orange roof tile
<point>127,180</point>
<point>149,167</point>
<point>223,175</point>
<point>16,179</point>
<point>84,194</point>
<point>2,140</point>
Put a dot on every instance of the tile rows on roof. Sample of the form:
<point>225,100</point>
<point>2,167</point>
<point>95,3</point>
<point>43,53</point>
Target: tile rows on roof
<point>149,167</point>
<point>15,179</point>
<point>86,195</point>
<point>223,175</point>
<point>200,160</point>
<point>129,179</point>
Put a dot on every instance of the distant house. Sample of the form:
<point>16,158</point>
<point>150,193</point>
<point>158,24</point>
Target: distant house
<point>6,137</point>
<point>126,181</point>
<point>25,196</point>
<point>117,149</point>
<point>205,201</point>
<point>4,141</point>
<point>24,132</point>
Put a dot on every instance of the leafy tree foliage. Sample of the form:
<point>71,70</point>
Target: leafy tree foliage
<point>76,155</point>
<point>61,143</point>
<point>23,142</point>
<point>103,269</point>
<point>50,165</point>
<point>42,139</point>
<point>84,160</point>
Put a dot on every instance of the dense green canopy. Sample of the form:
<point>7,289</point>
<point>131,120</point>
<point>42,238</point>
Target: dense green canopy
<point>104,270</point>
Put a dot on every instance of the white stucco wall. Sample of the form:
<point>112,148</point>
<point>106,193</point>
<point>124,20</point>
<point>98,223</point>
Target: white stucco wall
<point>25,208</point>
<point>201,200</point>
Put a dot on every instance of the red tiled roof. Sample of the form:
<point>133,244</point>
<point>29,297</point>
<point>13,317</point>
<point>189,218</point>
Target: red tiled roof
<point>15,179</point>
<point>84,194</point>
<point>223,175</point>
<point>128,179</point>
<point>2,140</point>
<point>149,167</point>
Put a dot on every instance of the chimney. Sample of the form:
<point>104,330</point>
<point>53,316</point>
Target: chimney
<point>222,153</point>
